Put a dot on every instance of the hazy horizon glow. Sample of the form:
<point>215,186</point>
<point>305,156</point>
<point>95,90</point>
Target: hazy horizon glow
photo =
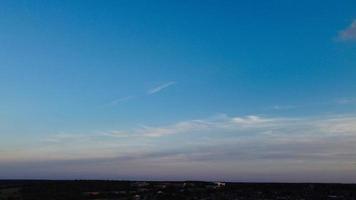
<point>203,90</point>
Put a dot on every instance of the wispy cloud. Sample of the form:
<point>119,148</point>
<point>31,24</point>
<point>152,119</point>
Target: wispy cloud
<point>120,100</point>
<point>283,107</point>
<point>345,101</point>
<point>348,34</point>
<point>198,126</point>
<point>233,144</point>
<point>161,87</point>
<point>223,124</point>
<point>151,91</point>
<point>341,101</point>
<point>229,144</point>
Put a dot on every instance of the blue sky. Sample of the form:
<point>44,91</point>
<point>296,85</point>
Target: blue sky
<point>249,91</point>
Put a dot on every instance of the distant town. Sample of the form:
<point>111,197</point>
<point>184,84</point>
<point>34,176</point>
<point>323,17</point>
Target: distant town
<point>151,190</point>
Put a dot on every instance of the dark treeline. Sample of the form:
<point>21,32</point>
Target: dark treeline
<point>127,190</point>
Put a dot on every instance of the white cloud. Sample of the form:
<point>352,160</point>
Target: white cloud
<point>349,33</point>
<point>160,87</point>
<point>251,120</point>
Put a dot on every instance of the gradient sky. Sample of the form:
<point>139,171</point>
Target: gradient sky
<point>177,90</point>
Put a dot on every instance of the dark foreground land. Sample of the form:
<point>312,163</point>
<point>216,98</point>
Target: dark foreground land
<point>125,190</point>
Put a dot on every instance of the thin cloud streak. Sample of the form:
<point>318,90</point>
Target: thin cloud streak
<point>342,101</point>
<point>283,107</point>
<point>160,87</point>
<point>120,100</point>
<point>149,92</point>
<point>346,101</point>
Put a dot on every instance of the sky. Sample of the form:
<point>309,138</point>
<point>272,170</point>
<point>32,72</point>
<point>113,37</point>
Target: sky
<point>178,90</point>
